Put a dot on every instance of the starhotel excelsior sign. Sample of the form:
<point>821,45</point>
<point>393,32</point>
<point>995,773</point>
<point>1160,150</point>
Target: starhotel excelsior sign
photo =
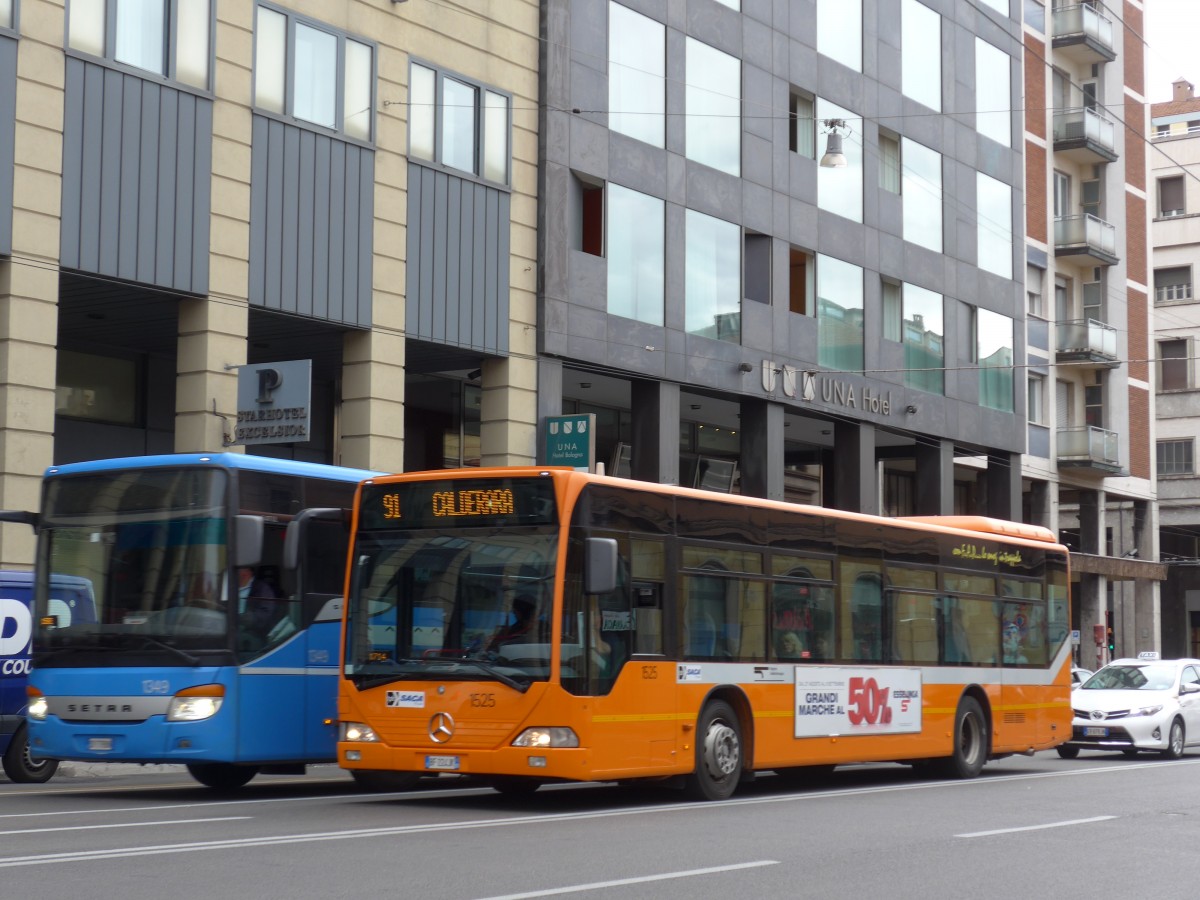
<point>274,402</point>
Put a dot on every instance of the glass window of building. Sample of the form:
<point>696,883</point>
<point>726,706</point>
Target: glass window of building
<point>637,75</point>
<point>1035,15</point>
<point>889,162</point>
<point>1037,399</point>
<point>714,108</point>
<point>924,340</point>
<point>298,67</point>
<point>1171,196</point>
<point>1000,6</point>
<point>1173,285</point>
<point>1175,457</point>
<point>922,191</point>
<point>712,286</point>
<point>1036,303</point>
<point>921,54</point>
<point>994,351</point>
<point>839,314</point>
<point>1174,366</point>
<point>893,311</point>
<point>802,138</point>
<point>839,31</point>
<point>459,124</point>
<point>99,388</point>
<point>732,4</point>
<point>635,244</point>
<point>841,190</point>
<point>6,13</point>
<point>993,102</point>
<point>994,237</point>
<point>169,38</point>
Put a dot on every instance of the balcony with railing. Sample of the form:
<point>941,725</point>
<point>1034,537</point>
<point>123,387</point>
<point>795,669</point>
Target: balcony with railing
<point>1173,293</point>
<point>1085,136</point>
<point>1087,340</point>
<point>1089,447</point>
<point>1082,34</point>
<point>1086,236</point>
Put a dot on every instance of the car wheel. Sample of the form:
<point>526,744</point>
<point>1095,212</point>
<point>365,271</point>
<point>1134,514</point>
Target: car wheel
<point>20,765</point>
<point>718,754</point>
<point>1174,741</point>
<point>1067,752</point>
<point>970,742</point>
<point>222,776</point>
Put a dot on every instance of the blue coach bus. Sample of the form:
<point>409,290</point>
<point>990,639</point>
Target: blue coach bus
<point>217,582</point>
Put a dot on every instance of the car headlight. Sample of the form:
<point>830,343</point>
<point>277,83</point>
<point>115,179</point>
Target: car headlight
<point>38,707</point>
<point>357,732</point>
<point>196,704</point>
<point>1146,711</point>
<point>546,737</point>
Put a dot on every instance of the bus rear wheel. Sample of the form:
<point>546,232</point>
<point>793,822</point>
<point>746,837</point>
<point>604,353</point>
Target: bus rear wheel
<point>222,776</point>
<point>718,754</point>
<point>21,767</point>
<point>514,785</point>
<point>1067,752</point>
<point>384,782</point>
<point>970,741</point>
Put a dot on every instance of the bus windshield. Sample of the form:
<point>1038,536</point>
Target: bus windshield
<point>152,544</point>
<point>468,599</point>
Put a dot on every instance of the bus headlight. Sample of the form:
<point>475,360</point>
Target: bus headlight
<point>196,704</point>
<point>357,732</point>
<point>38,708</point>
<point>546,737</point>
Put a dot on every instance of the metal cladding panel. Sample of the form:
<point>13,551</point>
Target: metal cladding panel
<point>137,178</point>
<point>458,246</point>
<point>8,126</point>
<point>312,212</point>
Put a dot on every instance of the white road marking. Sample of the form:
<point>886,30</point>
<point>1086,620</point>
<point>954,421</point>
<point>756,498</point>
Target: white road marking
<point>1069,822</point>
<point>666,876</point>
<point>126,825</point>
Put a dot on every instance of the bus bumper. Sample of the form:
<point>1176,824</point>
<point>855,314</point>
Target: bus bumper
<point>153,741</point>
<point>559,763</point>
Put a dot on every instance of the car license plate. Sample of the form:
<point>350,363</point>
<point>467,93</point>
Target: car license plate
<point>100,744</point>
<point>1095,731</point>
<point>441,762</point>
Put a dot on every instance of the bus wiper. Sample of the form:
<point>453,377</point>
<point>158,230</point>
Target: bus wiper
<point>155,643</point>
<point>498,675</point>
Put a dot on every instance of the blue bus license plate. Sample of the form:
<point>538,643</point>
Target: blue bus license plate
<point>100,744</point>
<point>1094,731</point>
<point>445,763</point>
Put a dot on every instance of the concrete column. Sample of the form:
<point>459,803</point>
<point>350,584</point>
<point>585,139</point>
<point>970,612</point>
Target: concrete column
<point>1091,522</point>
<point>372,411</point>
<point>1040,506</point>
<point>1092,606</point>
<point>29,281</point>
<point>655,451</point>
<point>1004,486</point>
<point>762,449</point>
<point>210,347</point>
<point>509,417</point>
<point>935,478</point>
<point>855,485</point>
<point>549,398</point>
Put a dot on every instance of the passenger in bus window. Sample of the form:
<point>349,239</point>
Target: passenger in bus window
<point>791,646</point>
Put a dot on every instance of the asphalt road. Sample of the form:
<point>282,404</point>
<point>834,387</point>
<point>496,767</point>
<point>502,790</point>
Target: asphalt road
<point>1099,825</point>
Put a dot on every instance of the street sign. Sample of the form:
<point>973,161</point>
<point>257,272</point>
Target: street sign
<point>571,441</point>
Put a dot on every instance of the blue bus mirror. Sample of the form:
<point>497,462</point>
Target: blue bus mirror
<point>600,565</point>
<point>248,540</point>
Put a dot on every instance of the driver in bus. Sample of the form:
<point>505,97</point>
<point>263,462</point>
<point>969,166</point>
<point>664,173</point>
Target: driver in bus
<point>258,606</point>
<point>524,606</point>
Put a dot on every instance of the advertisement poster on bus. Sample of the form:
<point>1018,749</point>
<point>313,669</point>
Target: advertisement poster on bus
<point>849,701</point>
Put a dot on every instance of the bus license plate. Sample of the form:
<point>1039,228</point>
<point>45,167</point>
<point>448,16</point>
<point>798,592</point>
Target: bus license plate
<point>1095,731</point>
<point>441,762</point>
<point>104,743</point>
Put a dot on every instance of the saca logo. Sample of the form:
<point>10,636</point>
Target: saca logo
<point>16,626</point>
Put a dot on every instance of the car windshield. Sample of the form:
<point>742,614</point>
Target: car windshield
<point>1132,677</point>
<point>150,545</point>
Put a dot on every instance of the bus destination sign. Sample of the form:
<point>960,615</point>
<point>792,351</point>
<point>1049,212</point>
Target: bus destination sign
<point>458,503</point>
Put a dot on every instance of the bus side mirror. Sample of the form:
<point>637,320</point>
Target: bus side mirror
<point>296,528</point>
<point>248,540</point>
<point>599,565</point>
<point>21,517</point>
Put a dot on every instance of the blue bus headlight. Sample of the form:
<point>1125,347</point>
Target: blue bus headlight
<point>547,737</point>
<point>196,704</point>
<point>38,707</point>
<point>357,732</point>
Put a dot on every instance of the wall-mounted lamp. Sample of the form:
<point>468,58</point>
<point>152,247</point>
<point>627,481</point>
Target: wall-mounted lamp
<point>474,374</point>
<point>834,158</point>
<point>745,367</point>
<point>910,409</point>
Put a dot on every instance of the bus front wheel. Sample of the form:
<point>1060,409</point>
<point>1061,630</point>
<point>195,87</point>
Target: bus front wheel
<point>222,776</point>
<point>379,782</point>
<point>21,767</point>
<point>970,741</point>
<point>718,753</point>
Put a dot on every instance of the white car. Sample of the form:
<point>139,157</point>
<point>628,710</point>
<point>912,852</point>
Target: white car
<point>1079,676</point>
<point>1137,704</point>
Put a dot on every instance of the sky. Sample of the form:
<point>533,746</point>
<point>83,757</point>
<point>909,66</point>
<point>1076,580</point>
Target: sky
<point>1172,46</point>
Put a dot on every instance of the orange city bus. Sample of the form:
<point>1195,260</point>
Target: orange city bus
<point>531,625</point>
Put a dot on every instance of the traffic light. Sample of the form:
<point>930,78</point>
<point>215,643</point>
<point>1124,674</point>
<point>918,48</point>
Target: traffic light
<point>1109,631</point>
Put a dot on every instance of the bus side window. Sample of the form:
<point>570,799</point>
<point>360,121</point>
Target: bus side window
<point>647,565</point>
<point>866,617</point>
